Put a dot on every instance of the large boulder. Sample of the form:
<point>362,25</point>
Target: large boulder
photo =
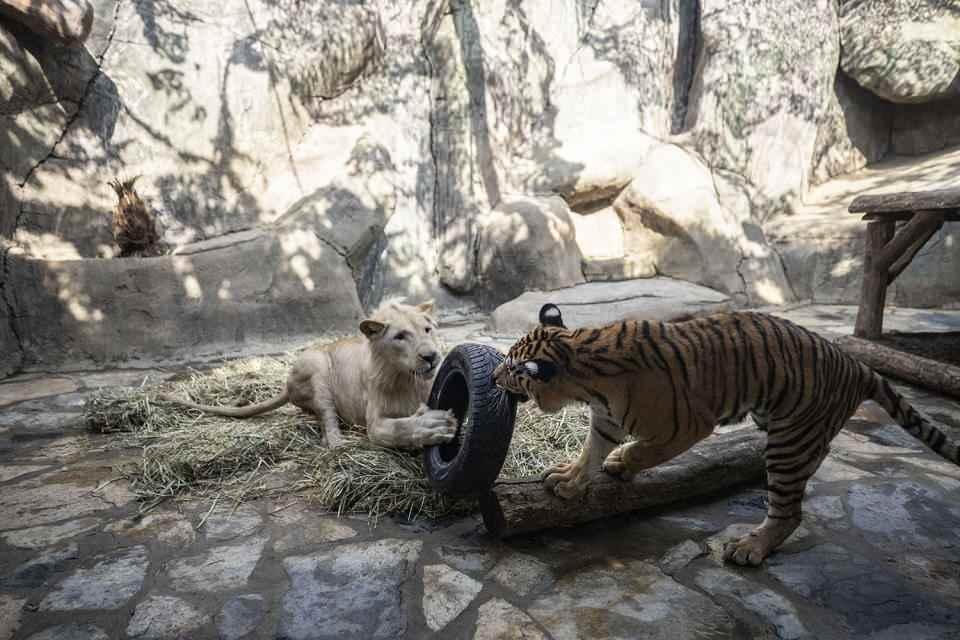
<point>675,218</point>
<point>599,303</point>
<point>765,73</point>
<point>902,50</point>
<point>526,244</point>
<point>922,128</point>
<point>822,245</point>
<point>607,243</point>
<point>252,288</point>
<point>524,92</point>
<point>854,132</point>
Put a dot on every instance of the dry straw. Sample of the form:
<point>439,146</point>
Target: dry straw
<point>187,453</point>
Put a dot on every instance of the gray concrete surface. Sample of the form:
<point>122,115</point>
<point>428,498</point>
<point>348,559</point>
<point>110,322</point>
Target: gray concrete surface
<point>877,556</point>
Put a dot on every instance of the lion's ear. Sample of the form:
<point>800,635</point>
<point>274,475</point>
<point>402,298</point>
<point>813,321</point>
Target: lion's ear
<point>425,307</point>
<point>372,328</point>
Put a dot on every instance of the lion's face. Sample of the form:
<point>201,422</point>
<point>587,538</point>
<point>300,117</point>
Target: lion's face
<point>405,336</point>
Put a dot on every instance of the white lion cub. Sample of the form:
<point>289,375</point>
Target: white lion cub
<point>381,381</point>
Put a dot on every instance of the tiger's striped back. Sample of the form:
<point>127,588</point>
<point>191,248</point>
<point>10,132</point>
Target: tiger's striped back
<point>670,383</point>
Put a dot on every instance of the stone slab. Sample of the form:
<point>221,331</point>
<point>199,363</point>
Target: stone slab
<point>10,613</point>
<point>500,620</point>
<point>521,573</point>
<point>47,503</point>
<point>634,601</point>
<point>353,590</point>
<point>219,569</point>
<point>44,535</point>
<point>109,584</point>
<point>240,615</point>
<point>598,303</point>
<point>161,617</point>
<point>14,391</point>
<point>446,593</point>
<point>72,631</point>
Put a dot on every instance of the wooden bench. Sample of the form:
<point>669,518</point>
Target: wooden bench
<point>887,252</point>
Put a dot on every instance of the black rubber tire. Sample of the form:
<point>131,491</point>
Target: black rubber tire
<point>468,466</point>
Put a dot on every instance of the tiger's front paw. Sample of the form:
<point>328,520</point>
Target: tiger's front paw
<point>567,480</point>
<point>615,465</point>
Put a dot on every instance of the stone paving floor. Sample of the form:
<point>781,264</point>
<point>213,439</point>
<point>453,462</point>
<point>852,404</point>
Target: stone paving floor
<point>878,555</point>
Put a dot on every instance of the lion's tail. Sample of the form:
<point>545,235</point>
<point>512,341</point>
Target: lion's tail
<point>235,412</point>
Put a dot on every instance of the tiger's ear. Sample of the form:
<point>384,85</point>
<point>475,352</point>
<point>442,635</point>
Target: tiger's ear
<point>425,307</point>
<point>550,316</point>
<point>540,370</point>
<point>372,329</point>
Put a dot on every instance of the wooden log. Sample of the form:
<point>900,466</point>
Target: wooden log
<point>921,226</point>
<point>923,372</point>
<point>67,21</point>
<point>899,264</point>
<point>907,201</point>
<point>718,464</point>
<point>873,292</point>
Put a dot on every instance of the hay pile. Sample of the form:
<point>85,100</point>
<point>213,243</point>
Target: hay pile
<point>188,454</point>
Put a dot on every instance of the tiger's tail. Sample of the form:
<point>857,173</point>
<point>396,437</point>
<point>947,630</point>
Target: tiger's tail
<point>913,422</point>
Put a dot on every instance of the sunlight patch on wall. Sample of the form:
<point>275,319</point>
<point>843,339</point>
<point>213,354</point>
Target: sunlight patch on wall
<point>77,303</point>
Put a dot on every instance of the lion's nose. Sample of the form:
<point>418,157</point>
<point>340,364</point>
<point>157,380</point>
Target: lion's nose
<point>430,358</point>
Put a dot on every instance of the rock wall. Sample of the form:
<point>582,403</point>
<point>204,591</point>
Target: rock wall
<point>460,150</point>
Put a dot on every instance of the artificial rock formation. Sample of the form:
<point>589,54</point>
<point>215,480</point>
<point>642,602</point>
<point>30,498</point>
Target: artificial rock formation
<point>391,143</point>
<point>902,50</point>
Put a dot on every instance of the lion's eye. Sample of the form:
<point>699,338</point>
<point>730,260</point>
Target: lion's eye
<point>401,336</point>
<point>427,330</point>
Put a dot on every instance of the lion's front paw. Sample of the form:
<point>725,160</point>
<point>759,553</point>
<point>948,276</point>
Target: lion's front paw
<point>567,479</point>
<point>615,466</point>
<point>435,427</point>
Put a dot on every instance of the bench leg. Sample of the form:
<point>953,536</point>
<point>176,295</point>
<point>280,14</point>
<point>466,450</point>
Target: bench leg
<point>873,295</point>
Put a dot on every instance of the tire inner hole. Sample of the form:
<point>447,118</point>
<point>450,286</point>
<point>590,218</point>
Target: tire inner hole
<point>454,395</point>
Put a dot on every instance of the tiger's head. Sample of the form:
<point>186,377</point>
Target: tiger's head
<point>531,368</point>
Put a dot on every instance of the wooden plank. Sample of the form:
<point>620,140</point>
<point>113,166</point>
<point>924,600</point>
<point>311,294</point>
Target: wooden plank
<point>949,215</point>
<point>873,292</point>
<point>67,21</point>
<point>907,201</point>
<point>930,374</point>
<point>715,465</point>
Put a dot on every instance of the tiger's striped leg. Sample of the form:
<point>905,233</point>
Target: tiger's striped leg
<point>571,479</point>
<point>793,455</point>
<point>633,457</point>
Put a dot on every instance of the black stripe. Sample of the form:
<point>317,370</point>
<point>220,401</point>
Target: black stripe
<point>605,435</point>
<point>677,354</point>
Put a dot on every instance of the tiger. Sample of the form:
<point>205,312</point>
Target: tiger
<point>669,384</point>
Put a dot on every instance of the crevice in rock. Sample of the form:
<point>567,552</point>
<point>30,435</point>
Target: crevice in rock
<point>688,44</point>
<point>87,89</point>
<point>5,300</point>
<point>743,279</point>
<point>427,33</point>
<point>340,251</point>
<point>783,266</point>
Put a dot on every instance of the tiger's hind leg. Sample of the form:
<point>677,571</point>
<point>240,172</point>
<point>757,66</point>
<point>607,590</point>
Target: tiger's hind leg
<point>793,455</point>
